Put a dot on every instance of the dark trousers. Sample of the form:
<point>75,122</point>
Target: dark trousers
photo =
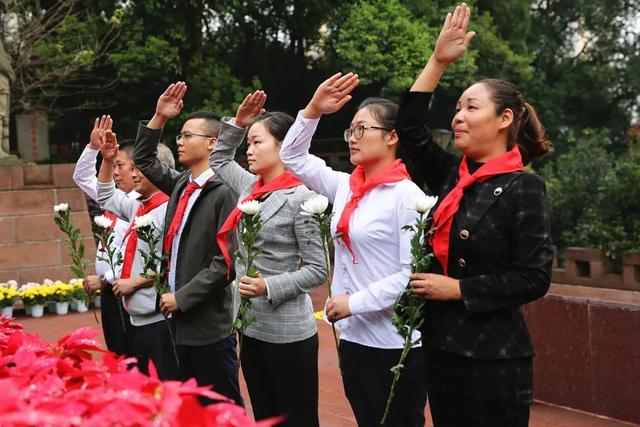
<point>153,343</point>
<point>367,379</point>
<point>214,365</point>
<point>118,340</point>
<point>282,380</point>
<point>475,392</point>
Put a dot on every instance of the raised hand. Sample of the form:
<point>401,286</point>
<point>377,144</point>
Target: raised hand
<point>454,38</point>
<point>170,102</point>
<point>100,125</point>
<point>251,107</point>
<point>331,95</point>
<point>108,145</point>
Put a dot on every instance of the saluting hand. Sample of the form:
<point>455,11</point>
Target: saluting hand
<point>108,145</point>
<point>454,38</point>
<point>170,102</point>
<point>331,95</point>
<point>101,124</point>
<point>251,107</point>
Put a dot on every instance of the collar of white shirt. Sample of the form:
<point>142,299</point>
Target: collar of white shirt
<point>202,179</point>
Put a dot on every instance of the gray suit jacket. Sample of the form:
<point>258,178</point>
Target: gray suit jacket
<point>292,261</point>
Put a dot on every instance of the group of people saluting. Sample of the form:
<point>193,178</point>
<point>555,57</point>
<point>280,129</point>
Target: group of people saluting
<point>492,248</point>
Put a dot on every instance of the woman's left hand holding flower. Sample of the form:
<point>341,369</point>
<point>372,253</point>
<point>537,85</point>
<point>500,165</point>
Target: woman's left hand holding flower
<point>251,288</point>
<point>435,287</point>
<point>338,308</point>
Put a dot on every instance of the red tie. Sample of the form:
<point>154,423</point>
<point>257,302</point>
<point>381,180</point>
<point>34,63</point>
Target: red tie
<point>132,244</point>
<point>177,218</point>
<point>286,180</point>
<point>394,172</point>
<point>509,162</point>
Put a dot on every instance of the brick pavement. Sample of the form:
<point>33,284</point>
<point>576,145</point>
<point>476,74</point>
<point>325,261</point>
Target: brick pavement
<point>334,408</point>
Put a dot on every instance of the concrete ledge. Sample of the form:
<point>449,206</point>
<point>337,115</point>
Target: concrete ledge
<point>588,351</point>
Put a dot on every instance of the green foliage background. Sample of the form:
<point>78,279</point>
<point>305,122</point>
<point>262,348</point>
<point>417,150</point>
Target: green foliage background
<point>577,62</point>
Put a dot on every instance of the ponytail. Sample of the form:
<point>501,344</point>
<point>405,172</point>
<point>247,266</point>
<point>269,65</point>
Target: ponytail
<point>526,130</point>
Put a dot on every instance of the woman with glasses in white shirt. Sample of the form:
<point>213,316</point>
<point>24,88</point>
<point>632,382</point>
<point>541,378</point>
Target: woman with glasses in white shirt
<point>372,258</point>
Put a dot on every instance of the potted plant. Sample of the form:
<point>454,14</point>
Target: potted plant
<point>61,294</point>
<point>8,298</point>
<point>80,299</point>
<point>34,298</point>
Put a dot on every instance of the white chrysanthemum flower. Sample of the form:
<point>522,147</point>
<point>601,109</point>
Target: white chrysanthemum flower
<point>250,207</point>
<point>315,205</point>
<point>102,221</point>
<point>422,204</point>
<point>143,221</point>
<point>48,282</point>
<point>62,207</point>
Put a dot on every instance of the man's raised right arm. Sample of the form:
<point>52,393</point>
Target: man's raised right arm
<point>149,133</point>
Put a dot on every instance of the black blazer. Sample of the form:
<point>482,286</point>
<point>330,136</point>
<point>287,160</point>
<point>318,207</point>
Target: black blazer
<point>500,248</point>
<point>202,287</point>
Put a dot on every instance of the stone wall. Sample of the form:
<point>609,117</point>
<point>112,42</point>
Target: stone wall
<point>587,343</point>
<point>31,246</point>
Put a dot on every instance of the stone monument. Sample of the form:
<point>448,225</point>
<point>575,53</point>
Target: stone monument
<point>6,76</point>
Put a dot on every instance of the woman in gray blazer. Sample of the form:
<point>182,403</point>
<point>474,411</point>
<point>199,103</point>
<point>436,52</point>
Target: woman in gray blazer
<point>280,349</point>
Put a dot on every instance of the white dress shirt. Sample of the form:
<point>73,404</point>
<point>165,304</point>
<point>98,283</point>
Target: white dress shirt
<point>201,181</point>
<point>381,248</point>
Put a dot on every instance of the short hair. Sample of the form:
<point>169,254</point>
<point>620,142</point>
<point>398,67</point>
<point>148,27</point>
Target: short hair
<point>165,155</point>
<point>126,145</point>
<point>211,119</point>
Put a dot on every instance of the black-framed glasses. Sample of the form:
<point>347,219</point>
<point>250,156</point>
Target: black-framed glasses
<point>358,131</point>
<point>187,135</point>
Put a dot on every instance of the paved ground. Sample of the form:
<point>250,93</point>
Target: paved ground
<point>334,408</point>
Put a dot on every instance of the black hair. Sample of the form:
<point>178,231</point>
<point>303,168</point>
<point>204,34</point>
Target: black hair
<point>383,110</point>
<point>211,119</point>
<point>276,122</point>
<point>526,130</point>
<point>126,145</point>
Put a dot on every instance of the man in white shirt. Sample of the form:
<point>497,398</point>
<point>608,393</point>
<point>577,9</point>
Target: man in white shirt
<point>117,339</point>
<point>151,334</point>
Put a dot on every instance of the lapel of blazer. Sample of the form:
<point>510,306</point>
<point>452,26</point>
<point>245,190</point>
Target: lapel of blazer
<point>274,202</point>
<point>487,193</point>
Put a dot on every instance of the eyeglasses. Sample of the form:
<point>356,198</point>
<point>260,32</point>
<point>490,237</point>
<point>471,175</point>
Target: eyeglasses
<point>187,135</point>
<point>358,131</point>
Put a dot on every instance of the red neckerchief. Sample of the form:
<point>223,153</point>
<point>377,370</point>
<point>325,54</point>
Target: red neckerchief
<point>286,180</point>
<point>508,162</point>
<point>147,206</point>
<point>393,172</point>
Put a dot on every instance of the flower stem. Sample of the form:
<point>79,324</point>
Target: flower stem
<point>396,375</point>
<point>325,248</point>
<point>173,341</point>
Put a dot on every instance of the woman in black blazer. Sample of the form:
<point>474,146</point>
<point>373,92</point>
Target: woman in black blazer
<point>492,242</point>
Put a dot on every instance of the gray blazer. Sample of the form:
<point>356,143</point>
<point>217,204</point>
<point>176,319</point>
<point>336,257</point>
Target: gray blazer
<point>292,261</point>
